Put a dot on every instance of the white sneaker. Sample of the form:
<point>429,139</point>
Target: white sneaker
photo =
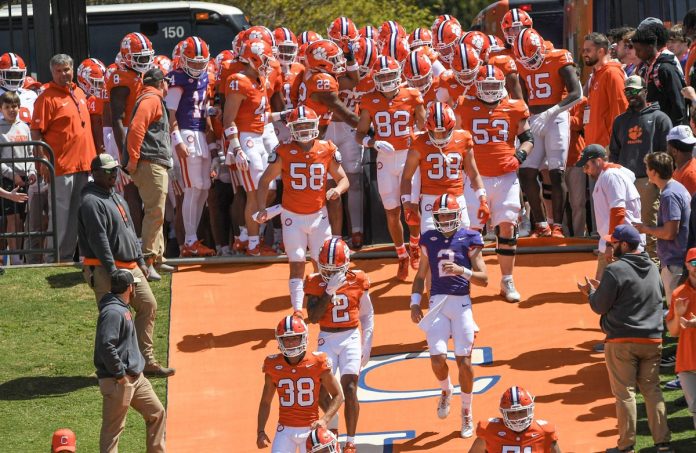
<point>467,424</point>
<point>507,289</point>
<point>443,404</point>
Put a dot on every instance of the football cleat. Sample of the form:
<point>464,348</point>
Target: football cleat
<point>356,240</point>
<point>541,231</point>
<point>261,250</point>
<point>557,232</point>
<point>414,256</point>
<point>240,246</point>
<point>507,290</point>
<point>467,424</point>
<point>402,273</point>
<point>443,404</point>
<point>197,249</point>
<point>349,447</point>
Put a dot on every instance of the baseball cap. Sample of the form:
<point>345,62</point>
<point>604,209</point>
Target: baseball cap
<point>624,233</point>
<point>104,161</point>
<point>690,255</point>
<point>682,134</point>
<point>635,82</point>
<point>590,152</point>
<point>648,21</point>
<point>121,280</point>
<point>152,76</point>
<point>63,440</point>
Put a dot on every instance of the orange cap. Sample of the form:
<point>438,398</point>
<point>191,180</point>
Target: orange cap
<point>690,255</point>
<point>63,440</point>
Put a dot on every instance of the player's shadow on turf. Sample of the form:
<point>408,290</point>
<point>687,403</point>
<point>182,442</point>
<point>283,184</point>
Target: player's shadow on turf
<point>412,444</point>
<point>549,359</point>
<point>597,413</point>
<point>573,297</point>
<point>274,304</point>
<point>69,280</point>
<point>593,386</point>
<point>399,348</point>
<point>203,341</point>
<point>28,388</point>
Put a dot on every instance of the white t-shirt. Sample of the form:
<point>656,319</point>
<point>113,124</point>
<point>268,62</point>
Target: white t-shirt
<point>26,104</point>
<point>615,188</point>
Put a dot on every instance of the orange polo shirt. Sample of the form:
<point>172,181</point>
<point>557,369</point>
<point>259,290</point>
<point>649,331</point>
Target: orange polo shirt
<point>62,117</point>
<point>686,175</point>
<point>686,348</point>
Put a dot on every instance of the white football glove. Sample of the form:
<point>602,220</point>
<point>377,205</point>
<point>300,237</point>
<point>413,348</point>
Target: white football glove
<point>383,147</point>
<point>335,282</point>
<point>241,159</point>
<point>539,122</point>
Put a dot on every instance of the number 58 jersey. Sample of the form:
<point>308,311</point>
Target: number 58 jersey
<point>297,386</point>
<point>493,129</point>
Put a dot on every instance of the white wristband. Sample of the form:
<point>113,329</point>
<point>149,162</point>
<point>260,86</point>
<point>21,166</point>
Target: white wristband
<point>234,141</point>
<point>405,198</point>
<point>415,299</point>
<point>467,273</point>
<point>176,137</point>
<point>366,141</point>
<point>481,193</point>
<point>353,67</point>
<point>230,131</point>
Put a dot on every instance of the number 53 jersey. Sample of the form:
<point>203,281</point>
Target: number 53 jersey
<point>493,129</point>
<point>297,386</point>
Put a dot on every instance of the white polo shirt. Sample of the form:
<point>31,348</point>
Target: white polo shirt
<point>615,188</point>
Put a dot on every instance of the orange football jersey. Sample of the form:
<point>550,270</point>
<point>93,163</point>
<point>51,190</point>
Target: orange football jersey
<point>226,70</point>
<point>274,84</point>
<point>431,94</point>
<point>95,106</point>
<point>538,438</point>
<point>393,119</point>
<point>131,80</point>
<point>297,386</point>
<point>304,174</point>
<point>317,82</point>
<point>251,116</point>
<point>493,130</point>
<point>347,312</point>
<point>351,98</point>
<point>437,175</point>
<point>503,62</point>
<point>290,84</point>
<point>454,88</point>
<point>545,86</point>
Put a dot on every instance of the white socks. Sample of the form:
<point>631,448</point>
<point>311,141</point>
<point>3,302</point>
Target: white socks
<point>296,292</point>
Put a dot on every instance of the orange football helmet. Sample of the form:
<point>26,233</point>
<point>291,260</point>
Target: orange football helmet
<point>529,49</point>
<point>420,37</point>
<point>517,400</point>
<point>365,51</point>
<point>343,32</point>
<point>490,84</point>
<point>325,56</point>
<point>287,45</point>
<point>386,73</point>
<point>440,19</point>
<point>440,122</point>
<point>239,38</point>
<point>369,32</point>
<point>164,63</point>
<point>479,42</point>
<point>258,54</point>
<point>303,123</point>
<point>322,440</point>
<point>223,57</point>
<point>418,71</point>
<point>262,33</point>
<point>13,71</point>
<point>334,257</point>
<point>514,21</point>
<point>447,205</point>
<point>495,44</point>
<point>446,38</point>
<point>388,28</point>
<point>396,47</point>
<point>137,52</point>
<point>194,56</point>
<point>291,326</point>
<point>90,77</point>
<point>465,64</point>
<point>308,37</point>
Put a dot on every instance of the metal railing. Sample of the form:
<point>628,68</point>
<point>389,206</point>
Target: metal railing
<point>27,234</point>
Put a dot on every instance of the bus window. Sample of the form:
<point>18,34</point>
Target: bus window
<point>216,30</point>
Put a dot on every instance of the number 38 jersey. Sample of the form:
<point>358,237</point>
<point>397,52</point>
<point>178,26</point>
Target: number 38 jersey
<point>297,386</point>
<point>251,116</point>
<point>454,249</point>
<point>192,97</point>
<point>545,86</point>
<point>538,438</point>
<point>304,174</point>
<point>493,130</point>
<point>393,118</point>
<point>346,313</point>
<point>437,175</point>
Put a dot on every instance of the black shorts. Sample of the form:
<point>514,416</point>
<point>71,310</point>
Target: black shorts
<point>9,207</point>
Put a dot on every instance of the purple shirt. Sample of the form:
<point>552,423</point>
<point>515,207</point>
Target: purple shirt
<point>455,249</point>
<point>194,100</point>
<point>675,204</point>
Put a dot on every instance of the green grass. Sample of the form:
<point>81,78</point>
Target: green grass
<point>47,325</point>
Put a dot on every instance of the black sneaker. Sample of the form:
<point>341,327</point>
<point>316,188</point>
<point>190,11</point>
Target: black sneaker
<point>668,361</point>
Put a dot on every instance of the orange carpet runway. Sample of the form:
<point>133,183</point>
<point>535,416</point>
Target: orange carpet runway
<point>222,321</point>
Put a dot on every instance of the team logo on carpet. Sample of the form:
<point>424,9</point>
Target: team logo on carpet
<point>288,222</point>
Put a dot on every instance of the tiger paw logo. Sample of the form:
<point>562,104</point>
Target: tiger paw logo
<point>320,53</point>
<point>634,135</point>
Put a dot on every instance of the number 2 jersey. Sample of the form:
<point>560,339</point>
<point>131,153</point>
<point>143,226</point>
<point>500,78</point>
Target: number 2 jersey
<point>346,314</point>
<point>191,95</point>
<point>297,386</point>
<point>454,249</point>
<point>438,176</point>
<point>538,438</point>
<point>494,129</point>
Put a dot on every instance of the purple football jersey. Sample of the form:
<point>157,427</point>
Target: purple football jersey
<point>193,105</point>
<point>454,249</point>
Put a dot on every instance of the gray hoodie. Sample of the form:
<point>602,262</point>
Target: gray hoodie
<point>629,298</point>
<point>635,134</point>
<point>116,351</point>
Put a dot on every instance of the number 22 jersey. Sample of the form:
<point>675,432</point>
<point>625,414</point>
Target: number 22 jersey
<point>454,249</point>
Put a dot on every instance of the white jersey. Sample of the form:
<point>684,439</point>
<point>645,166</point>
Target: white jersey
<point>26,104</point>
<point>615,188</point>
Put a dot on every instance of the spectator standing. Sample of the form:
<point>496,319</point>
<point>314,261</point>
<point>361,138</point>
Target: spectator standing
<point>605,97</point>
<point>672,228</point>
<point>680,320</point>
<point>575,179</point>
<point>108,243</point>
<point>615,198</point>
<point>61,119</point>
<point>629,301</point>
<point>641,130</point>
<point>689,28</point>
<point>63,440</point>
<point>678,44</point>
<point>149,159</point>
<point>626,54</point>
<point>680,145</point>
<point>120,367</point>
<point>661,71</point>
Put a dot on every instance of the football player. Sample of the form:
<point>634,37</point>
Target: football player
<point>517,430</point>
<point>548,75</point>
<point>303,164</point>
<point>419,74</point>
<point>322,440</point>
<point>297,376</point>
<point>445,39</point>
<point>443,155</point>
<point>393,110</point>
<point>291,73</point>
<point>495,121</point>
<point>453,256</point>
<point>339,301</point>
<point>187,104</point>
<point>13,75</point>
<point>459,80</point>
<point>90,77</point>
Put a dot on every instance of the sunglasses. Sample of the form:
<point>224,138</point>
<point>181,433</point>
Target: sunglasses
<point>692,262</point>
<point>110,171</point>
<point>632,91</point>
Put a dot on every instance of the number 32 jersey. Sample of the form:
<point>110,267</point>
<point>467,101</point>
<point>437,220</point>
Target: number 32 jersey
<point>454,249</point>
<point>494,130</point>
<point>538,438</point>
<point>347,312</point>
<point>297,386</point>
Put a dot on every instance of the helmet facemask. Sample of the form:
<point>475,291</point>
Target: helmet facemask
<point>292,351</point>
<point>304,130</point>
<point>518,424</point>
<point>452,223</point>
<point>388,80</point>
<point>13,79</point>
<point>194,67</point>
<point>440,136</point>
<point>466,77</point>
<point>490,91</point>
<point>287,52</point>
<point>421,83</point>
<point>534,62</point>
<point>143,60</point>
<point>329,270</point>
<point>338,62</point>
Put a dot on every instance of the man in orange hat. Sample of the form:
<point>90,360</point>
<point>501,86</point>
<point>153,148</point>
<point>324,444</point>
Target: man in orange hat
<point>63,440</point>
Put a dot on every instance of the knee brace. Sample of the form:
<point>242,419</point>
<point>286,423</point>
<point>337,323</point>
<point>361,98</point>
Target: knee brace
<point>546,190</point>
<point>512,242</point>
